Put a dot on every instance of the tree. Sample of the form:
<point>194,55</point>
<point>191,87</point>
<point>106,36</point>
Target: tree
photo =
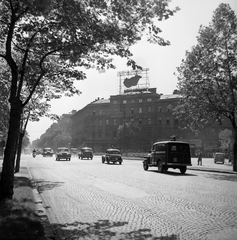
<point>47,44</point>
<point>207,78</point>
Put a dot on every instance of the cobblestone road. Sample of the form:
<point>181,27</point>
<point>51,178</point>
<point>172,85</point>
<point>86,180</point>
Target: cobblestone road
<point>89,200</point>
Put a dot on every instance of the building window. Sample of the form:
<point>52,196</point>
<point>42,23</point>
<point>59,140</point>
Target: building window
<point>132,110</point>
<point>140,110</point>
<point>115,121</point>
<point>100,112</point>
<point>149,109</point>
<point>115,110</point>
<point>140,100</point>
<point>107,122</point>
<point>100,122</point>
<point>159,109</point>
<point>167,121</point>
<point>140,121</point>
<point>149,99</point>
<point>132,101</point>
<point>115,102</point>
<point>149,121</point>
<point>125,101</point>
<point>176,121</point>
<point>159,121</point>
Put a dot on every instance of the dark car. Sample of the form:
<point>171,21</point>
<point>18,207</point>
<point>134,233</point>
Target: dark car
<point>86,152</point>
<point>47,152</point>
<point>63,153</point>
<point>168,154</point>
<point>219,158</point>
<point>112,155</point>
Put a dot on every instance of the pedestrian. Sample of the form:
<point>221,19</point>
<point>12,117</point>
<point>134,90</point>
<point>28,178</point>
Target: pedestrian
<point>199,158</point>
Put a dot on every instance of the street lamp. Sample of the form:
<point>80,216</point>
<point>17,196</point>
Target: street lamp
<point>93,127</point>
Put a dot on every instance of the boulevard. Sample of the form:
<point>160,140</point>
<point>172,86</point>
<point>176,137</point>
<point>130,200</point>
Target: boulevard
<point>85,199</point>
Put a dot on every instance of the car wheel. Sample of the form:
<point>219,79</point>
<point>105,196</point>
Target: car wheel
<point>69,159</point>
<point>183,169</point>
<point>107,162</point>
<point>120,163</point>
<point>160,167</point>
<point>145,165</point>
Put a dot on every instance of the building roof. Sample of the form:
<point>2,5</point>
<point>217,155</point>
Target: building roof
<point>102,100</point>
<point>170,96</point>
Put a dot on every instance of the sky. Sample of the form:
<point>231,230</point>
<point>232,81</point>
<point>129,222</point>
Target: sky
<point>181,30</point>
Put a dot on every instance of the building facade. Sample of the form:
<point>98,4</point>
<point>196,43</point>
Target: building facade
<point>96,125</point>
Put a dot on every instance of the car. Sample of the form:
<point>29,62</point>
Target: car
<point>219,157</point>
<point>112,155</point>
<point>74,152</point>
<point>86,152</point>
<point>47,152</point>
<point>63,153</point>
<point>168,154</point>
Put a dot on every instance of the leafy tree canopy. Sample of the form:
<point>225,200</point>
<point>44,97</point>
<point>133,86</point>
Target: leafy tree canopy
<point>208,76</point>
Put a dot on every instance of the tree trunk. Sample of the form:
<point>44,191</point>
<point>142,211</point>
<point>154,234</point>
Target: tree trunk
<point>19,148</point>
<point>235,150</point>
<point>7,177</point>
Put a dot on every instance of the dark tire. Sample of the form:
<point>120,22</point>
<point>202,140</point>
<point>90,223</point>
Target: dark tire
<point>120,163</point>
<point>69,159</point>
<point>145,165</point>
<point>183,169</point>
<point>160,167</point>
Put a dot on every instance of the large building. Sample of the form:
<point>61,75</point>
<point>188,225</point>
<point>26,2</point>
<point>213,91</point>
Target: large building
<point>98,123</point>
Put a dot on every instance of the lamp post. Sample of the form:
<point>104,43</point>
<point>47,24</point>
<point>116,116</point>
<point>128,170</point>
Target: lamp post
<point>124,126</point>
<point>93,127</point>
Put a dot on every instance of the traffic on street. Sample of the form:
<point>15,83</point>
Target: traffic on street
<point>88,199</point>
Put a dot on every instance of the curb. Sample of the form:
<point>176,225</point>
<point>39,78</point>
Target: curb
<point>41,212</point>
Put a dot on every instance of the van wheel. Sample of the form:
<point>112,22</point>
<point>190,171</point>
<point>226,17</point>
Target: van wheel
<point>145,165</point>
<point>160,167</point>
<point>183,169</point>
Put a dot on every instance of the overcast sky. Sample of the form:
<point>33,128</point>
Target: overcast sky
<point>181,30</point>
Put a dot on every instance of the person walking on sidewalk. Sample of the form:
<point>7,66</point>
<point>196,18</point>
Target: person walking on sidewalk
<point>199,158</point>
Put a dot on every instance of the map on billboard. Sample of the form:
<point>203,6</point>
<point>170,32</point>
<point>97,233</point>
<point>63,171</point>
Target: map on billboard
<point>133,81</point>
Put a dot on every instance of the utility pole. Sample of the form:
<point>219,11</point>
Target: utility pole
<point>93,133</point>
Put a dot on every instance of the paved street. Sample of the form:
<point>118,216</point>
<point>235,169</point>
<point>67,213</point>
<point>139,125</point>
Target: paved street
<point>86,199</point>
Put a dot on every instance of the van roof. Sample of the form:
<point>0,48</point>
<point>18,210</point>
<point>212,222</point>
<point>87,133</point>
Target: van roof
<point>171,142</point>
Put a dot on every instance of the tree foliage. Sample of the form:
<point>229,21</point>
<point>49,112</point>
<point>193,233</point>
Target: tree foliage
<point>208,76</point>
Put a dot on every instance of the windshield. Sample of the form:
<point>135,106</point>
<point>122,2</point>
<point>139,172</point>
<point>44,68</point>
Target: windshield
<point>63,150</point>
<point>114,152</point>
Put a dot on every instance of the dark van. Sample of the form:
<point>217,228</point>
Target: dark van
<point>168,154</point>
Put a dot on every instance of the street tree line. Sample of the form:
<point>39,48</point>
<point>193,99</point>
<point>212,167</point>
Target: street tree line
<point>46,44</point>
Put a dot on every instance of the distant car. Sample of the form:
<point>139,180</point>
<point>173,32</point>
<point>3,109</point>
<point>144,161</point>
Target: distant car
<point>219,158</point>
<point>86,152</point>
<point>74,152</point>
<point>63,153</point>
<point>112,155</point>
<point>47,152</point>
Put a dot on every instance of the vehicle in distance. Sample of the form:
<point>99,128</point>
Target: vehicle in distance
<point>74,152</point>
<point>168,154</point>
<point>47,152</point>
<point>219,158</point>
<point>63,153</point>
<point>86,152</point>
<point>112,155</point>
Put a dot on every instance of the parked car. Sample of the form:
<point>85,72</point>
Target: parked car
<point>63,153</point>
<point>219,158</point>
<point>86,152</point>
<point>47,152</point>
<point>168,154</point>
<point>74,152</point>
<point>112,155</point>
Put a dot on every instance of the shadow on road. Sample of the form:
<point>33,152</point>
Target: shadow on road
<point>173,173</point>
<point>227,177</point>
<point>42,185</point>
<point>104,229</point>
